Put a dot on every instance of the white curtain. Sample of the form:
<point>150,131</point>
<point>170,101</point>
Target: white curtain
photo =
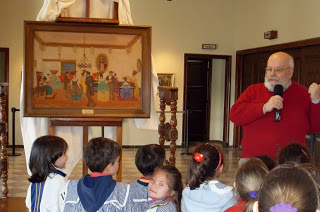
<point>32,128</point>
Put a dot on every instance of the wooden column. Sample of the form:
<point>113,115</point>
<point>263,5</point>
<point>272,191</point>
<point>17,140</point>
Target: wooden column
<point>4,138</point>
<point>168,131</point>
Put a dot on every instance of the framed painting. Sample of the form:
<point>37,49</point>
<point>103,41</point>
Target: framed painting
<point>87,70</point>
<point>166,79</point>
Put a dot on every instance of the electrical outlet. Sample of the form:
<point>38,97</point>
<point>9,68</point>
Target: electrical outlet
<point>209,46</point>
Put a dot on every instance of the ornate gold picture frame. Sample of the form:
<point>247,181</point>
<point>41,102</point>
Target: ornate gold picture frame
<point>87,70</point>
<point>166,79</point>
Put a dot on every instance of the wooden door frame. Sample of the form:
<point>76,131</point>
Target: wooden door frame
<point>239,62</point>
<point>227,92</point>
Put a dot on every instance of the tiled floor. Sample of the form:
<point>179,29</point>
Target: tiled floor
<point>18,183</point>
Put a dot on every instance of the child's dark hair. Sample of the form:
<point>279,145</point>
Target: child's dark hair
<point>100,152</point>
<point>248,180</point>
<point>288,185</point>
<point>174,182</point>
<point>149,157</point>
<point>44,153</point>
<point>268,161</point>
<point>200,172</point>
<point>294,152</point>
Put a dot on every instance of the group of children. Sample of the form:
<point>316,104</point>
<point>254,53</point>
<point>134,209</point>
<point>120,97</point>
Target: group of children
<point>259,185</point>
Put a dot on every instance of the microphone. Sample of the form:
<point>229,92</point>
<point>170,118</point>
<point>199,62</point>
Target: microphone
<point>278,90</point>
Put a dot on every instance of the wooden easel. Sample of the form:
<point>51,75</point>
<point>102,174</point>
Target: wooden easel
<point>85,123</point>
<point>87,19</point>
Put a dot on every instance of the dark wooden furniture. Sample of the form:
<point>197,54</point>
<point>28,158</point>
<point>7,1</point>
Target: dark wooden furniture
<point>168,131</point>
<point>13,204</point>
<point>85,123</point>
<point>4,138</point>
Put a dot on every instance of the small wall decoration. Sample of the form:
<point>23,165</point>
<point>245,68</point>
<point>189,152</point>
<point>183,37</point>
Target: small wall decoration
<point>139,65</point>
<point>87,70</point>
<point>102,63</point>
<point>166,79</point>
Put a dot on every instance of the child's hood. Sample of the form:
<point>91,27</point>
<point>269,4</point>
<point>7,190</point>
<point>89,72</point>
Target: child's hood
<point>93,191</point>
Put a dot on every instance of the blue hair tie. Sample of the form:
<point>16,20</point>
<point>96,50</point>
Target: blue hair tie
<point>283,207</point>
<point>253,194</point>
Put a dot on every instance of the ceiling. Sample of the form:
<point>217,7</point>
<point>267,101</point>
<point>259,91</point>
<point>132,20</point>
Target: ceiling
<point>98,40</point>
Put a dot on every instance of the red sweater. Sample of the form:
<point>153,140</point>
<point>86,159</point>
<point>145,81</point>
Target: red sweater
<point>239,207</point>
<point>262,135</point>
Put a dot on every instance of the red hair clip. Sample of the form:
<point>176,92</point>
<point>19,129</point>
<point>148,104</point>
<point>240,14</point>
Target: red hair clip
<point>198,157</point>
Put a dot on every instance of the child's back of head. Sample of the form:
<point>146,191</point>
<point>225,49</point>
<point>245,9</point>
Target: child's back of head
<point>288,188</point>
<point>48,182</point>
<point>97,191</point>
<point>45,152</point>
<point>248,180</point>
<point>268,161</point>
<point>313,170</point>
<point>294,153</point>
<point>204,192</point>
<point>149,157</point>
<point>206,161</point>
<point>100,152</point>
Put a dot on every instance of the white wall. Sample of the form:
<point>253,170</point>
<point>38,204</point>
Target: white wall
<point>295,20</point>
<point>179,27</point>
<point>217,97</point>
<point>12,15</point>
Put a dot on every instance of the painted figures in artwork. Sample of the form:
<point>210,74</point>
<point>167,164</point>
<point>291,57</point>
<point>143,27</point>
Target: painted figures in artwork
<point>133,79</point>
<point>110,81</point>
<point>90,89</point>
<point>76,88</point>
<point>42,80</point>
<point>126,89</point>
<point>103,89</point>
<point>55,81</point>
<point>83,82</point>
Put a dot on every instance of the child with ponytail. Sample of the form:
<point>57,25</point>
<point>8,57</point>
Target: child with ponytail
<point>247,184</point>
<point>288,188</point>
<point>204,192</point>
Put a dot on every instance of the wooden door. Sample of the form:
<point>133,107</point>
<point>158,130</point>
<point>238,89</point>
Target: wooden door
<point>198,99</point>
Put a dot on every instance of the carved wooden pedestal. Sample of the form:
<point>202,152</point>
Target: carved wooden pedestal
<point>4,138</point>
<point>168,131</point>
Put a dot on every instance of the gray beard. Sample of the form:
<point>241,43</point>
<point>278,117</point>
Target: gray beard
<point>269,86</point>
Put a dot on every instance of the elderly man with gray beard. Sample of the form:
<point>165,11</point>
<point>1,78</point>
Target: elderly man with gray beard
<point>254,110</point>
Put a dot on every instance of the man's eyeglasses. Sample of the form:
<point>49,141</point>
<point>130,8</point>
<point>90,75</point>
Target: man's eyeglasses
<point>277,70</point>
